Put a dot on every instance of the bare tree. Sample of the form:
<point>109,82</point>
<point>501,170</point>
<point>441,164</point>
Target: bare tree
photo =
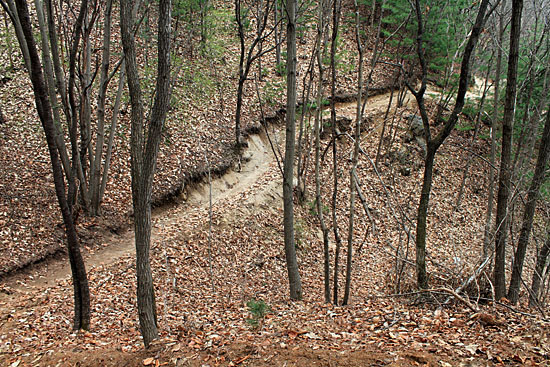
<point>80,280</point>
<point>254,52</point>
<point>337,6</point>
<point>529,213</point>
<point>488,235</point>
<point>321,34</point>
<point>145,139</point>
<point>357,134</point>
<point>433,143</point>
<point>502,217</point>
<point>288,175</point>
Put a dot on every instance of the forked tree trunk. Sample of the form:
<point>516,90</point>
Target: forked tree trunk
<point>144,151</point>
<point>434,143</point>
<point>80,281</point>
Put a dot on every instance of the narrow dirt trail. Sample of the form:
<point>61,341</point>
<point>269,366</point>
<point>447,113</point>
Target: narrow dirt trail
<point>257,159</point>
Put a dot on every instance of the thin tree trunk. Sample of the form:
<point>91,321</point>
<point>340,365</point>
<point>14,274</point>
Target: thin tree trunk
<point>337,240</point>
<point>488,235</point>
<point>20,34</point>
<point>95,169</point>
<point>144,154</point>
<point>355,158</point>
<point>80,281</point>
<point>542,258</point>
<point>302,157</point>
<point>477,122</point>
<point>317,133</point>
<point>528,215</point>
<point>51,89</point>
<point>421,275</point>
<point>502,218</point>
<point>288,175</point>
<point>114,119</point>
<point>433,144</point>
<point>77,169</point>
<point>8,42</point>
<point>524,152</point>
<point>277,36</point>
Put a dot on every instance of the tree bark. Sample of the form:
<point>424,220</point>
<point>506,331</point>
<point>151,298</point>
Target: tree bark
<point>46,58</point>
<point>288,175</point>
<point>487,236</point>
<point>317,133</point>
<point>502,218</point>
<point>247,58</point>
<point>434,143</point>
<point>80,280</point>
<point>95,169</point>
<point>421,226</point>
<point>16,19</point>
<point>144,153</point>
<point>528,215</point>
<point>335,24</point>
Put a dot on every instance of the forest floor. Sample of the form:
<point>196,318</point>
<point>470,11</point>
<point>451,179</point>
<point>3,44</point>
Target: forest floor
<point>204,282</point>
<point>204,279</point>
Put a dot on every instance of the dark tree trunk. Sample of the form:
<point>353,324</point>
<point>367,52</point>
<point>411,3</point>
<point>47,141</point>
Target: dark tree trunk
<point>144,151</point>
<point>528,215</point>
<point>80,280</point>
<point>337,240</point>
<point>288,175</point>
<point>421,275</point>
<point>238,109</point>
<point>247,58</point>
<point>502,218</point>
<point>433,144</point>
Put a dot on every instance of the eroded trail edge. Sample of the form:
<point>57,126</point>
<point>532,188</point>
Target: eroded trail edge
<point>256,160</point>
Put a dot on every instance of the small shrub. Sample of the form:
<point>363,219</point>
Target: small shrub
<point>258,309</point>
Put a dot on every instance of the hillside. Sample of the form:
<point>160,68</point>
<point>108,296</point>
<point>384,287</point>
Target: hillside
<point>210,273</point>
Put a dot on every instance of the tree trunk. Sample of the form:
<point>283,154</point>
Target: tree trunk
<point>288,175</point>
<point>95,169</point>
<point>487,236</point>
<point>542,258</point>
<point>433,144</point>
<point>502,218</point>
<point>355,157</point>
<point>317,133</point>
<point>51,89</point>
<point>144,153</point>
<point>421,275</point>
<point>16,18</point>
<point>528,215</point>
<point>114,119</point>
<point>337,240</point>
<point>277,36</point>
<point>80,281</point>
